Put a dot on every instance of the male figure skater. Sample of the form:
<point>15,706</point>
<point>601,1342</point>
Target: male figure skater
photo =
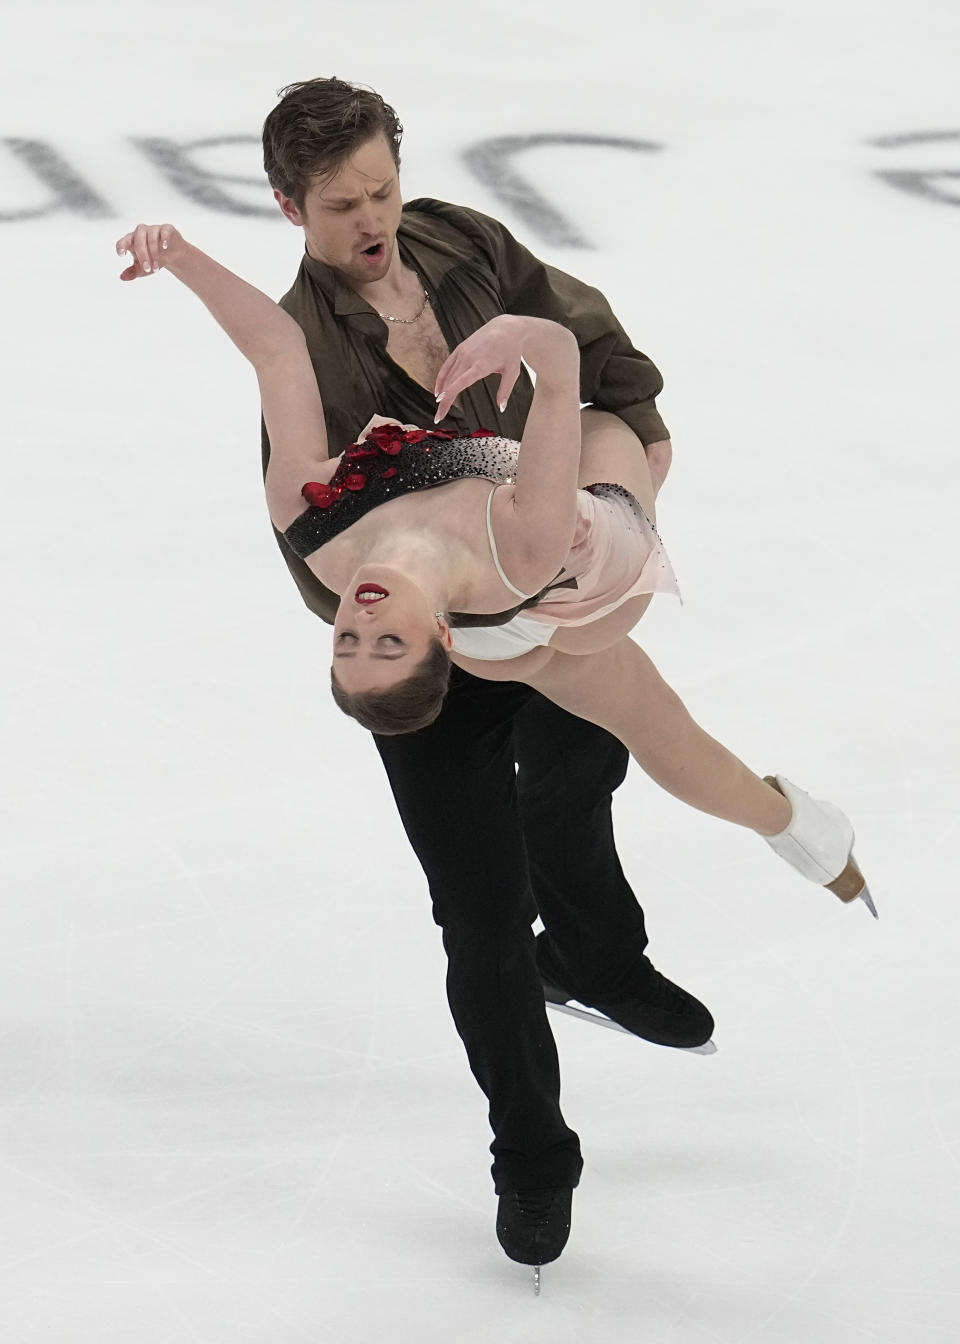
<point>505,798</point>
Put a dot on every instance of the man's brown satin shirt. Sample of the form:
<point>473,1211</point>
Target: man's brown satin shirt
<point>473,270</point>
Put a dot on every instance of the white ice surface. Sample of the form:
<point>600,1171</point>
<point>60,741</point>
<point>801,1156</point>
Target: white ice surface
<point>233,1108</point>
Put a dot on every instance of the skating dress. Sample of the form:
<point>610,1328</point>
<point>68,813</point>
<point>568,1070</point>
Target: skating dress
<point>615,553</point>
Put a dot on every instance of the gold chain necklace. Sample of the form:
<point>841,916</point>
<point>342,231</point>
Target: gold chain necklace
<point>408,321</point>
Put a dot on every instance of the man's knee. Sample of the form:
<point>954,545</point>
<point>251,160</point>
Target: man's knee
<point>567,762</point>
<point>485,915</point>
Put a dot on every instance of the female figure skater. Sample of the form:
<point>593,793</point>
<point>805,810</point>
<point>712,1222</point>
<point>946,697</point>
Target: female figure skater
<point>406,528</point>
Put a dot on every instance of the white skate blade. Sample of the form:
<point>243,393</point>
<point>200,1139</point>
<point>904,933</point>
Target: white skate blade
<point>708,1048</point>
<point>536,1280</point>
<point>575,1009</point>
<point>868,901</point>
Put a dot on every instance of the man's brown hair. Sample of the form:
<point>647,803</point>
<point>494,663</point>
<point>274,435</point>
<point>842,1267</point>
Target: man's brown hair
<point>406,707</point>
<point>317,126</point>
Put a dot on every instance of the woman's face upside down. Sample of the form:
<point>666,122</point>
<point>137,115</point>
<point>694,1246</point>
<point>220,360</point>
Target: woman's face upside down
<point>384,628</point>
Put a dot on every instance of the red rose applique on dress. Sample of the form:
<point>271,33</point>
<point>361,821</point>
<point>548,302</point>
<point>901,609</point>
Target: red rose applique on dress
<point>320,496</point>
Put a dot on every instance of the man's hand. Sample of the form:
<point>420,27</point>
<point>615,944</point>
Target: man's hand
<point>149,245</point>
<point>659,458</point>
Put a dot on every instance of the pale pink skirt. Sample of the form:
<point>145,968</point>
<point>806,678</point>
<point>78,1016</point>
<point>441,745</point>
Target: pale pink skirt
<point>616,554</point>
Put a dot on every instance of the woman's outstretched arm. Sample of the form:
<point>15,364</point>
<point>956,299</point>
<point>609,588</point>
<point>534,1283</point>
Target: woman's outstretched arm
<point>267,336</point>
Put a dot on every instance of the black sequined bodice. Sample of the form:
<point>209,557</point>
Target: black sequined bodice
<point>390,463</point>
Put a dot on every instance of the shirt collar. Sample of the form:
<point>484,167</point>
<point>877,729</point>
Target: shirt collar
<point>344,301</point>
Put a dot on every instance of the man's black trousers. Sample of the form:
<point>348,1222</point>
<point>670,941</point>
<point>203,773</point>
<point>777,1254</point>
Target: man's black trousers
<point>506,800</point>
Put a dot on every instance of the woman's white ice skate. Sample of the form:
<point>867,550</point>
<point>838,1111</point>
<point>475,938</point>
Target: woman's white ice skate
<point>819,844</point>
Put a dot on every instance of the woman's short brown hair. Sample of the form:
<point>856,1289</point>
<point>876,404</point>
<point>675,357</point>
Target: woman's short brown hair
<point>404,708</point>
<point>319,124</point>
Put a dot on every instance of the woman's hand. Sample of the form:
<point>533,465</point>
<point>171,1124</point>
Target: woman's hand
<point>496,348</point>
<point>499,347</point>
<point>149,245</point>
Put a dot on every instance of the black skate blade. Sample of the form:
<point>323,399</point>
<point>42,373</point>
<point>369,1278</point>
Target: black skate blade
<point>575,1009</point>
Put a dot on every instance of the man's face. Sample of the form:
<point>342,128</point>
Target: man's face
<point>350,220</point>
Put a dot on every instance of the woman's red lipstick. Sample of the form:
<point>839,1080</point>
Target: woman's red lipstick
<point>370,592</point>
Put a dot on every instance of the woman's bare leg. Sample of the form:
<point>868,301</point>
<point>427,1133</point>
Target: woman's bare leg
<point>620,689</point>
<point>610,451</point>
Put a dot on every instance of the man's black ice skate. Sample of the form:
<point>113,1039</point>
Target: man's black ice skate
<point>645,1003</point>
<point>533,1226</point>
